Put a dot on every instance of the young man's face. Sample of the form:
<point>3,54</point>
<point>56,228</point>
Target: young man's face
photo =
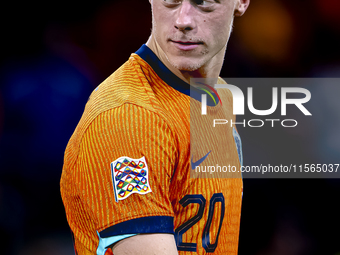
<point>192,32</point>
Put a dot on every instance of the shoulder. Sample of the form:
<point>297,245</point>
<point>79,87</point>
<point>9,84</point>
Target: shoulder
<point>123,100</point>
<point>126,85</point>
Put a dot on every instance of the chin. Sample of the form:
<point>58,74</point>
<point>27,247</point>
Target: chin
<point>188,66</point>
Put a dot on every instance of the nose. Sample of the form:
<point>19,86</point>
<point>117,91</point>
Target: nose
<point>185,18</point>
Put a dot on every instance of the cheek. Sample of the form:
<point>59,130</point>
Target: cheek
<point>156,15</point>
<point>160,20</point>
<point>219,29</point>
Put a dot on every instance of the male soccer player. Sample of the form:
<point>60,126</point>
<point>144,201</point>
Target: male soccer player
<point>127,180</point>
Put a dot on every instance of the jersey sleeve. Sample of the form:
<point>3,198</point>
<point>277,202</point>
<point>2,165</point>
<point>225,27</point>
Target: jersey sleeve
<point>119,182</point>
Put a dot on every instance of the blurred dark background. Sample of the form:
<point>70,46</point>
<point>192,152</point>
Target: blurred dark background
<point>54,53</point>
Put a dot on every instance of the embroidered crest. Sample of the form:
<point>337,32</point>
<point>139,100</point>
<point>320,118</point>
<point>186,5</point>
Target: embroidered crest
<point>129,176</point>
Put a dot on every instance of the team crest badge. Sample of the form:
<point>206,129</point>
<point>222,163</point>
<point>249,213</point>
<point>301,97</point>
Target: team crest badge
<point>130,176</point>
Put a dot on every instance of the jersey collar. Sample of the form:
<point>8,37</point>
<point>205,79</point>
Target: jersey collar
<point>170,78</point>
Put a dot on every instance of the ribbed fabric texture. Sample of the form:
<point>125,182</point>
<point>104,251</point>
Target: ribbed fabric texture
<point>134,113</point>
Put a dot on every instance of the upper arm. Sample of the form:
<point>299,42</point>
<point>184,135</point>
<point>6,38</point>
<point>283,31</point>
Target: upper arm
<point>99,200</point>
<point>158,244</point>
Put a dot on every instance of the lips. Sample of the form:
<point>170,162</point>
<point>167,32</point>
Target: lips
<point>186,45</point>
<point>187,42</point>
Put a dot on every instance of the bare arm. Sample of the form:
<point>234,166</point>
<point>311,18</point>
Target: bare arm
<point>147,244</point>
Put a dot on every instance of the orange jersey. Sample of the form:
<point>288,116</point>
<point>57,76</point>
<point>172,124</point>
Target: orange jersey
<point>131,165</point>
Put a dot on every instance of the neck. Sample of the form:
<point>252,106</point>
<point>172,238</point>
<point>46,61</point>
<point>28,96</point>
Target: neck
<point>210,69</point>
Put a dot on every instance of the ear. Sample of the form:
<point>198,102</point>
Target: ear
<point>241,7</point>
